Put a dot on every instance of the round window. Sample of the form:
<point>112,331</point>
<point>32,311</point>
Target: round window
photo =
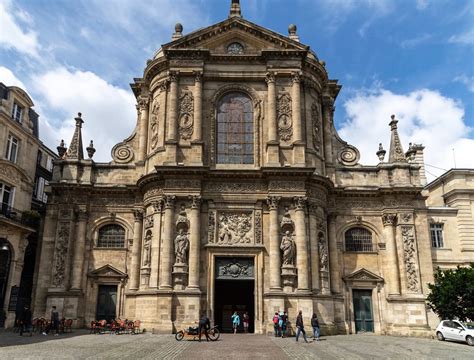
<point>235,49</point>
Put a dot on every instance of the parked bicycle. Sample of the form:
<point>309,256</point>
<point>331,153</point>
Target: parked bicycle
<point>193,333</point>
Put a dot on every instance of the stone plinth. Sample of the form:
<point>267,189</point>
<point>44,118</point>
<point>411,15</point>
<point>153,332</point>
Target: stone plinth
<point>180,276</point>
<point>288,275</point>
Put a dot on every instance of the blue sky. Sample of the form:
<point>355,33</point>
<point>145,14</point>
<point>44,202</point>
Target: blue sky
<point>406,57</point>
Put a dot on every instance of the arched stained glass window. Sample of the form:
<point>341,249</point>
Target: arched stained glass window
<point>111,236</point>
<point>235,139</point>
<point>358,239</point>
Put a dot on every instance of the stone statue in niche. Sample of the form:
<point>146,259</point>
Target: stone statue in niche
<point>147,250</point>
<point>288,247</point>
<point>181,247</point>
<point>323,253</point>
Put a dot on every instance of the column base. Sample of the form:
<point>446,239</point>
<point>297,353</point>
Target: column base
<point>288,275</point>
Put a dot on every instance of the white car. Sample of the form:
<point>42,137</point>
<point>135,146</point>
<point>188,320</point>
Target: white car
<point>455,330</point>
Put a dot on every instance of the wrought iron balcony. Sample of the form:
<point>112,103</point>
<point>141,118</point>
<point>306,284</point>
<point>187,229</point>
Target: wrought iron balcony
<point>28,218</point>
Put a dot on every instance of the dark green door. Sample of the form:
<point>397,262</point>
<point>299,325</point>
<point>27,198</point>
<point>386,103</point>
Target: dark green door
<point>364,320</point>
<point>106,302</point>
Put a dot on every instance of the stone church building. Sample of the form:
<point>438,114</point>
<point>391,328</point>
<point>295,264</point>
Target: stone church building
<point>235,193</point>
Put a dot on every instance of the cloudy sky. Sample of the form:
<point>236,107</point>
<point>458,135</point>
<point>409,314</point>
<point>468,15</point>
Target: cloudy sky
<point>410,58</point>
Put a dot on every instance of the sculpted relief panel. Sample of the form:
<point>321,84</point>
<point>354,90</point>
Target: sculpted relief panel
<point>409,256</point>
<point>235,228</point>
<point>186,116</point>
<point>284,114</point>
<point>60,252</point>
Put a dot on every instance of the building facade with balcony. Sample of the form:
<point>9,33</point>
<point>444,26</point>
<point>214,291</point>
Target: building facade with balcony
<point>235,193</point>
<point>25,166</point>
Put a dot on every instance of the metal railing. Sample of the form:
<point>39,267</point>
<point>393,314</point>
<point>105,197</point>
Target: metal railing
<point>28,218</point>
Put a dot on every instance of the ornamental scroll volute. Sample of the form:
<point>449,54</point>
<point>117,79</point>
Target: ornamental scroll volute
<point>186,116</point>
<point>284,116</point>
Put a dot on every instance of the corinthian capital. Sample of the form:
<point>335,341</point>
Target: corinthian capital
<point>272,202</point>
<point>300,202</point>
<point>197,76</point>
<point>389,219</point>
<point>168,201</point>
<point>195,201</point>
<point>173,76</point>
<point>138,214</point>
<point>270,77</point>
<point>296,77</point>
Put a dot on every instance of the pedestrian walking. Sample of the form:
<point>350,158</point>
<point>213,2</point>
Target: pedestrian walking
<point>25,319</point>
<point>276,324</point>
<point>315,325</point>
<point>283,326</point>
<point>54,322</point>
<point>245,320</point>
<point>235,321</point>
<point>300,326</point>
<point>204,325</point>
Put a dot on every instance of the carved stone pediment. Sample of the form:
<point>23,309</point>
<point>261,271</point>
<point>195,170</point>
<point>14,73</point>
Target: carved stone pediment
<point>107,271</point>
<point>13,173</point>
<point>239,28</point>
<point>363,275</point>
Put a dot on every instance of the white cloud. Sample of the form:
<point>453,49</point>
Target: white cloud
<point>466,38</point>
<point>108,112</point>
<point>417,40</point>
<point>422,4</point>
<point>466,80</point>
<point>12,36</point>
<point>425,116</point>
<point>9,79</point>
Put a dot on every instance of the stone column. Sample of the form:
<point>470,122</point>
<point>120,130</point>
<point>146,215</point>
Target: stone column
<point>197,134</point>
<point>79,246</point>
<point>390,263</point>
<point>335,276</point>
<point>173,109</point>
<point>271,108</point>
<point>274,251</point>
<point>194,242</point>
<point>301,243</point>
<point>136,250</point>
<point>167,245</point>
<point>313,228</point>
<point>328,105</point>
<point>296,107</point>
<point>142,108</point>
<point>155,244</point>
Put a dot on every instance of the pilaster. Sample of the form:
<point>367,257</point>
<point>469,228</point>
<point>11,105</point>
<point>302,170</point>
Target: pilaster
<point>301,244</point>
<point>274,252</point>
<point>167,245</point>
<point>195,242</point>
<point>79,246</point>
<point>136,247</point>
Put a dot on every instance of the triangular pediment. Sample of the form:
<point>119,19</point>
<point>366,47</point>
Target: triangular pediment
<point>107,271</point>
<point>363,275</point>
<point>216,37</point>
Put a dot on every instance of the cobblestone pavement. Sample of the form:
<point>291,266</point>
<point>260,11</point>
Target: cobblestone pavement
<point>81,345</point>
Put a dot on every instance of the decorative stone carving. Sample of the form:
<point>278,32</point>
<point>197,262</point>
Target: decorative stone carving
<point>168,201</point>
<point>284,117</point>
<point>300,202</point>
<point>296,77</point>
<point>287,223</point>
<point>142,104</point>
<point>197,76</point>
<point>157,206</point>
<point>270,77</point>
<point>288,248</point>
<point>234,269</point>
<point>60,252</point>
<point>316,126</point>
<point>406,217</point>
<point>186,116</point>
<point>409,255</point>
<point>183,222</point>
<point>154,124</point>
<point>234,187</point>
<point>389,219</point>
<point>148,222</point>
<point>181,247</point>
<point>147,249</point>
<point>286,185</point>
<point>323,253</point>
<point>348,155</point>
<point>122,153</point>
<point>181,184</point>
<point>195,201</point>
<point>235,228</point>
<point>258,227</point>
<point>272,202</point>
<point>211,226</point>
<point>138,214</point>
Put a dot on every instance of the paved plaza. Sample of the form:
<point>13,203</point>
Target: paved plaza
<point>82,345</point>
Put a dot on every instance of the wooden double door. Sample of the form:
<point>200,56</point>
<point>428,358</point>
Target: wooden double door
<point>107,302</point>
<point>363,311</point>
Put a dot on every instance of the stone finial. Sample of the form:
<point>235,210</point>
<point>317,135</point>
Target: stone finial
<point>381,153</point>
<point>61,149</point>
<point>178,31</point>
<point>396,154</point>
<point>292,32</point>
<point>411,153</point>
<point>75,148</point>
<point>90,150</point>
<point>235,9</point>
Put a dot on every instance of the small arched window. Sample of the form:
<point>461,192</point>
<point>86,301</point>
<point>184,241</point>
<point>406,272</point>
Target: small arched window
<point>358,239</point>
<point>111,236</point>
<point>235,132</point>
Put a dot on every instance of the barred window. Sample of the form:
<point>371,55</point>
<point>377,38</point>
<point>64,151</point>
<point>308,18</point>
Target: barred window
<point>436,231</point>
<point>111,236</point>
<point>235,139</point>
<point>358,239</point>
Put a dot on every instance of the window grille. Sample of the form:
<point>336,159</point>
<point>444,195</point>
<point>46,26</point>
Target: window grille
<point>111,236</point>
<point>235,139</point>
<point>436,231</point>
<point>358,239</point>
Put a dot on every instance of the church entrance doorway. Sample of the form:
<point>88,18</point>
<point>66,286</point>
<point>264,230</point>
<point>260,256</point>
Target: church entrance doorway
<point>364,320</point>
<point>107,302</point>
<point>234,291</point>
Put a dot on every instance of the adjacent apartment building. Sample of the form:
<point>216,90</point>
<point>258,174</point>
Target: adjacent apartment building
<point>25,168</point>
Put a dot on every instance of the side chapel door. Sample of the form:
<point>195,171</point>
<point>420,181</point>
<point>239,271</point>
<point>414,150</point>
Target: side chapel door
<point>363,316</point>
<point>107,302</point>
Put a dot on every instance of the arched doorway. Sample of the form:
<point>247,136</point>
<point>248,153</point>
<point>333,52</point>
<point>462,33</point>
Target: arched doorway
<point>5,261</point>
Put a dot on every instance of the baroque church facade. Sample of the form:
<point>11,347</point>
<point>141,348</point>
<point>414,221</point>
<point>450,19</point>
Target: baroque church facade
<point>235,193</point>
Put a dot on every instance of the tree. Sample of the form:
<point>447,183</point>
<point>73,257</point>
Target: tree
<point>452,294</point>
